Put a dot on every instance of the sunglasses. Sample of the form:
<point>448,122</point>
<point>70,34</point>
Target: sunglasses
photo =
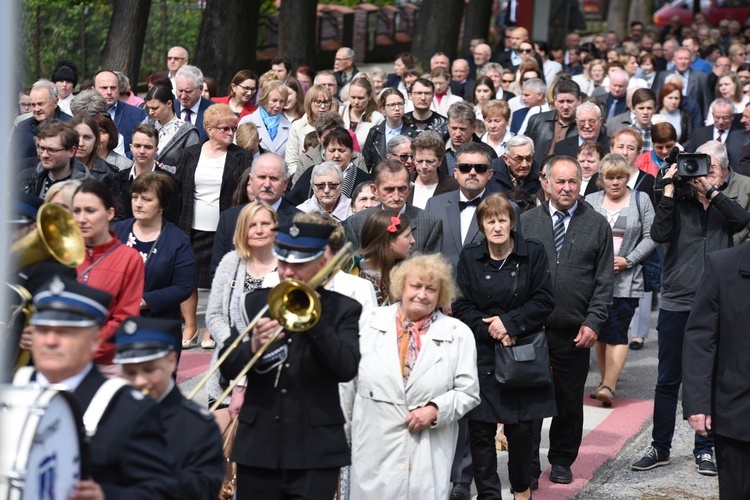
<point>404,157</point>
<point>226,130</point>
<point>330,185</point>
<point>525,51</point>
<point>525,203</point>
<point>480,168</point>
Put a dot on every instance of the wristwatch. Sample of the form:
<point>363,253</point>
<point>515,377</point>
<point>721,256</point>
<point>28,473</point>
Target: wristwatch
<point>628,264</point>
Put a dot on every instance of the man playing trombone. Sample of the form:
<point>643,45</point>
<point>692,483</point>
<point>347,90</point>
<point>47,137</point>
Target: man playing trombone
<point>290,441</point>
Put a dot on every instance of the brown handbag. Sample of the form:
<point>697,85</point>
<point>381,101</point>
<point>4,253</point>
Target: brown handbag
<point>229,485</point>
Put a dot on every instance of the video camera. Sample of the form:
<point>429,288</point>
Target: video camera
<point>689,166</point>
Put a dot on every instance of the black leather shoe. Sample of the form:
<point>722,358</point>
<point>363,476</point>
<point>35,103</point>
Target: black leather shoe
<point>461,491</point>
<point>561,474</point>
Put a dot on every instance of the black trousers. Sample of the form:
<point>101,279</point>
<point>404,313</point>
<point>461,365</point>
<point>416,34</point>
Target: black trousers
<point>733,462</point>
<point>484,457</point>
<point>461,467</point>
<point>570,366</point>
<point>269,484</point>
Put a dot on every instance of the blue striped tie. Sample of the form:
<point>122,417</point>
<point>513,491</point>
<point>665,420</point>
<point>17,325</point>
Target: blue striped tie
<point>558,230</point>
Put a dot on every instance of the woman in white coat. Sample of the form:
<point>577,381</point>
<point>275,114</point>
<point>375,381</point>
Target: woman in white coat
<point>417,377</point>
<point>273,126</point>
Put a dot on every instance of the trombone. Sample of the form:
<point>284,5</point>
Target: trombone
<point>294,304</point>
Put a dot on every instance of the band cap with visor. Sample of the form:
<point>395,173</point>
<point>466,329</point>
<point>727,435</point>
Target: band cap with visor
<point>301,242</point>
<point>141,339</point>
<point>64,302</point>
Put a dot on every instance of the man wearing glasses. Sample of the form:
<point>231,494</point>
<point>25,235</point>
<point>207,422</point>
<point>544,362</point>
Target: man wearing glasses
<point>189,104</point>
<point>343,66</point>
<point>590,125</point>
<point>43,98</point>
<point>176,58</point>
<point>421,115</point>
<point>516,169</point>
<point>512,59</point>
<point>57,143</point>
<point>722,111</point>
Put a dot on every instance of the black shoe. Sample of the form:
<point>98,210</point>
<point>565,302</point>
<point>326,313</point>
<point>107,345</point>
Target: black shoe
<point>706,465</point>
<point>561,474</point>
<point>651,460</point>
<point>636,346</point>
<point>461,491</point>
<point>534,483</point>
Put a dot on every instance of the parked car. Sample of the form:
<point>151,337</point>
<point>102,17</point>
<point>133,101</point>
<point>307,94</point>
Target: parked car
<point>715,10</point>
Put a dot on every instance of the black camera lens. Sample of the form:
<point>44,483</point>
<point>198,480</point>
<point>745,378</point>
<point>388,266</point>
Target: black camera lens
<point>691,167</point>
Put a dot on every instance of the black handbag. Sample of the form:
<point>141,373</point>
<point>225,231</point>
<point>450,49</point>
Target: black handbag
<point>526,364</point>
<point>651,264</point>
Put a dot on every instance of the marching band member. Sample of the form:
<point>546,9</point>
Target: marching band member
<point>290,439</point>
<point>147,350</point>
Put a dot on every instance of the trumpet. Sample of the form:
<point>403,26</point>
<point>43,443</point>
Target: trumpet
<point>294,304</point>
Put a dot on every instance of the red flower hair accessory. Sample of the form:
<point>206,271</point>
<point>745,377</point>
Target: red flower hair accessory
<point>395,222</point>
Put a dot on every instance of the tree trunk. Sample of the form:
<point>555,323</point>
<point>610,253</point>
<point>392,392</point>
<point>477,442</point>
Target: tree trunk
<point>298,30</point>
<point>228,39</point>
<point>641,10</point>
<point>437,29</point>
<point>127,33</point>
<point>617,17</point>
<point>476,22</point>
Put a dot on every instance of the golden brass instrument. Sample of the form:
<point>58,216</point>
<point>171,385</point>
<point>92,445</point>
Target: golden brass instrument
<point>294,304</point>
<point>57,236</point>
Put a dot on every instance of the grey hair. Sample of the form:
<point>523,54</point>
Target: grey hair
<point>723,102</point>
<point>191,73</point>
<point>396,142</point>
<point>462,111</point>
<point>326,168</point>
<point>48,85</point>
<point>589,106</point>
<point>377,71</point>
<point>281,161</point>
<point>123,82</point>
<point>536,85</point>
<point>322,73</point>
<point>491,66</point>
<point>348,51</point>
<point>88,102</point>
<point>619,72</point>
<point>717,150</point>
<point>518,141</point>
<point>674,78</point>
<point>554,160</point>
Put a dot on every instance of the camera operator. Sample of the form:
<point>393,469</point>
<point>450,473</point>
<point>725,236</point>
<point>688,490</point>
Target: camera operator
<point>695,223</point>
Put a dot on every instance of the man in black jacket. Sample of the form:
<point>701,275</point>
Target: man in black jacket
<point>290,441</point>
<point>578,241</point>
<point>548,128</point>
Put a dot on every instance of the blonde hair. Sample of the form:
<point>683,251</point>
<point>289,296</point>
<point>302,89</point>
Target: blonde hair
<point>612,165</point>
<point>247,136</point>
<point>429,267</point>
<point>268,87</point>
<point>66,190</point>
<point>243,223</point>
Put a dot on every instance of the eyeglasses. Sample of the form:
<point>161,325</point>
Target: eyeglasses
<point>321,186</point>
<point>525,51</point>
<point>480,168</point>
<point>424,161</point>
<point>521,159</point>
<point>249,90</point>
<point>175,58</point>
<point>587,122</point>
<point>341,58</point>
<point>227,130</point>
<point>422,94</point>
<point>394,105</point>
<point>25,105</point>
<point>42,149</point>
<point>320,103</point>
<point>405,157</point>
<point>508,81</point>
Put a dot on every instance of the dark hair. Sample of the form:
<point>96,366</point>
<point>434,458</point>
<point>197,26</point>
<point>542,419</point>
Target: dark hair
<point>148,130</point>
<point>311,140</point>
<point>160,93</point>
<point>494,204</point>
<point>372,105</point>
<point>327,120</point>
<point>407,58</point>
<point>107,126</point>
<point>542,46</point>
<point>591,147</point>
<point>241,76</point>
<point>472,147</point>
<point>157,79</point>
<point>647,56</point>
<point>98,189</point>
<point>389,91</point>
<point>663,132</point>
<point>375,241</point>
<point>339,136</point>
<point>643,95</point>
<point>282,60</point>
<point>390,166</point>
<point>565,86</point>
<point>53,128</point>
<point>211,85</point>
<point>160,182</point>
<point>84,119</point>
<point>483,80</point>
<point>239,197</point>
<point>525,200</point>
<point>636,23</point>
<point>308,71</point>
<point>358,189</point>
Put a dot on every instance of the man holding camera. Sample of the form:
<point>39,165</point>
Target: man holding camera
<point>695,218</point>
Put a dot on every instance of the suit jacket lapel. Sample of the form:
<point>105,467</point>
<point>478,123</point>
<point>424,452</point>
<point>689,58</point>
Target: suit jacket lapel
<point>453,214</point>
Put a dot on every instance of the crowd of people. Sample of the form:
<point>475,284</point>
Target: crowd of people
<point>523,198</point>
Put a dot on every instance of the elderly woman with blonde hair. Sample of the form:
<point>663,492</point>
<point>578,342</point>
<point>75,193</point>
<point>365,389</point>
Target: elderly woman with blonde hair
<point>417,377</point>
<point>61,193</point>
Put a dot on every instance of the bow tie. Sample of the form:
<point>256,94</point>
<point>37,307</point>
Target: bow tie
<point>463,204</point>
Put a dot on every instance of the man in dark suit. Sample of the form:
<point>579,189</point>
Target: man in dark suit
<point>147,350</point>
<point>268,181</point>
<point>343,67</point>
<point>512,58</point>
<point>290,441</point>
<point>717,399</point>
<point>722,112</point>
<point>127,454</point>
<point>460,79</point>
<point>44,107</point>
<point>516,169</point>
<point>743,165</point>
<point>590,124</point>
<point>614,103</point>
<point>550,127</point>
<point>391,183</point>
<point>125,116</point>
<point>189,104</point>
<point>697,81</point>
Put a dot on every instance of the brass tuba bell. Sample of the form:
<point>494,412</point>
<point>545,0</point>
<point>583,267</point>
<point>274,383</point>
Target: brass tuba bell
<point>57,236</point>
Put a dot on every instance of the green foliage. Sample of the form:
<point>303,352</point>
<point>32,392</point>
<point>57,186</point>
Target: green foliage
<point>352,3</point>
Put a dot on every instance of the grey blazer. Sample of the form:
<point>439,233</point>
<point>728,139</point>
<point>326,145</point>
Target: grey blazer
<point>426,228</point>
<point>636,243</point>
<point>738,189</point>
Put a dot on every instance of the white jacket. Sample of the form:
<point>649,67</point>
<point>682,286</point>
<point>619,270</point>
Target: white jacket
<point>387,460</point>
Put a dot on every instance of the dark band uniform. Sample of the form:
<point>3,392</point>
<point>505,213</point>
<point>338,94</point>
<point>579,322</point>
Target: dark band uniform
<point>290,440</point>
<point>128,454</point>
<point>193,437</point>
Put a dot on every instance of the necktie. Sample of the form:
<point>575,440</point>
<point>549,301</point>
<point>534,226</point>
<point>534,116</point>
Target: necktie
<point>187,116</point>
<point>718,139</point>
<point>559,230</point>
<point>611,113</point>
<point>348,187</point>
<point>463,204</point>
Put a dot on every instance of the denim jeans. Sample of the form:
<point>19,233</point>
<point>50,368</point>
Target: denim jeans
<point>671,329</point>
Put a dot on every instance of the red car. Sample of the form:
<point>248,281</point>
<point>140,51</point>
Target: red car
<point>715,11</point>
